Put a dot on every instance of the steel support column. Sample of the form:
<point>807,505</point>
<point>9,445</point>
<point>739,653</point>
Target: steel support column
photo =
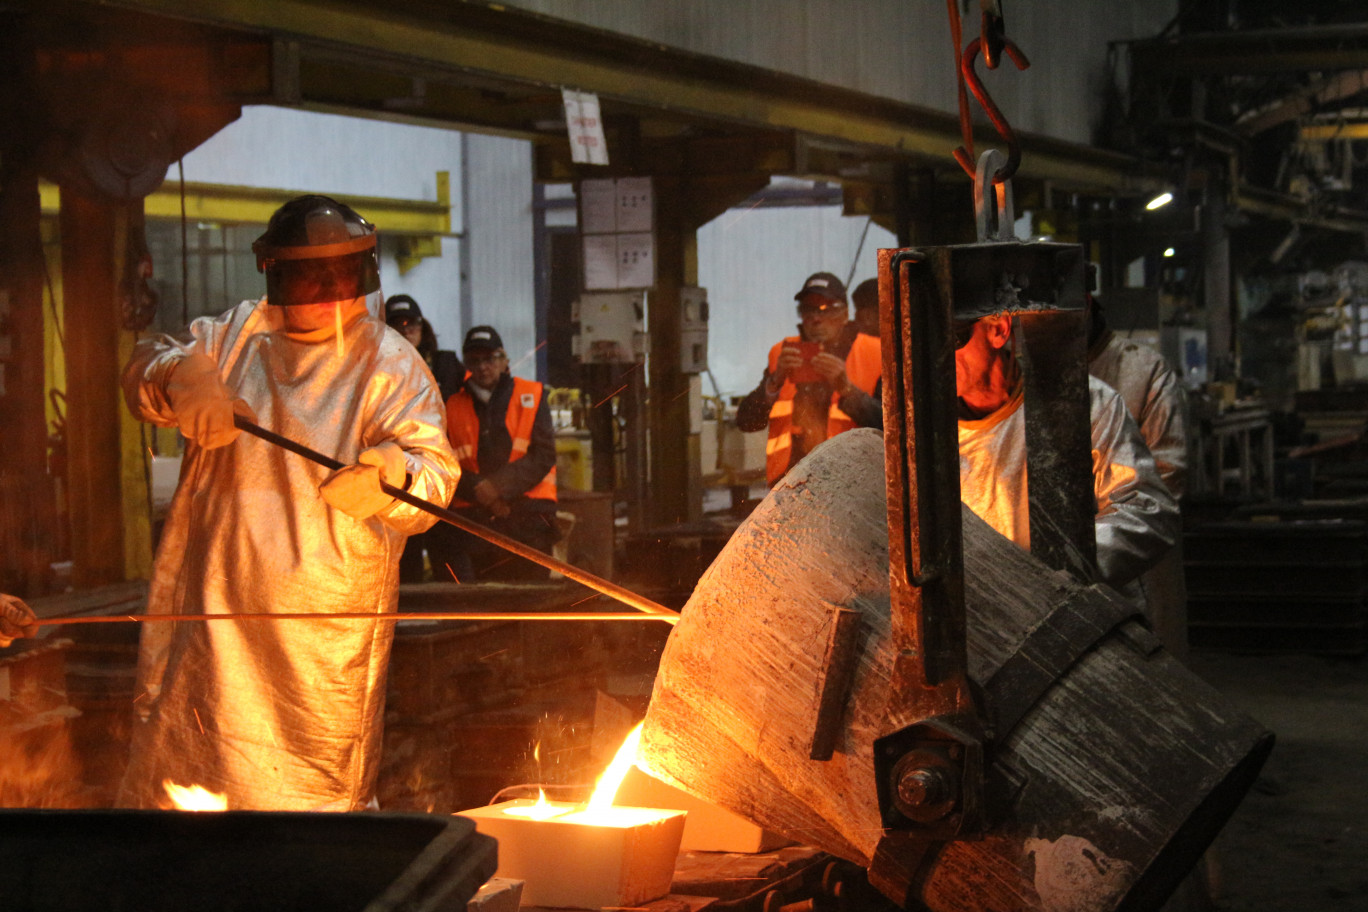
<point>90,283</point>
<point>676,477</point>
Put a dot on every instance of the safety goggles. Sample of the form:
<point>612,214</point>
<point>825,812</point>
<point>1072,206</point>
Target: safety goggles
<point>818,308</point>
<point>477,357</point>
<point>403,323</point>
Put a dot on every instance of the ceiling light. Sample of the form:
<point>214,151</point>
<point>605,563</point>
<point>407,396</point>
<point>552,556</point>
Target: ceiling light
<point>1162,199</point>
<point>1168,251</point>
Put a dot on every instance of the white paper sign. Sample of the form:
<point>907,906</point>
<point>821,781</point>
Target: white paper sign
<point>635,260</point>
<point>587,143</point>
<point>634,204</point>
<point>598,206</point>
<point>600,261</point>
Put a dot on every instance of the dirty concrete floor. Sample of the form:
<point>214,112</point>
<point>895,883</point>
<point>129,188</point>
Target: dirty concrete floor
<point>1300,839</point>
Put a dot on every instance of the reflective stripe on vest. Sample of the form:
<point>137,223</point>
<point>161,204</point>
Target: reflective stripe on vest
<point>463,431</point>
<point>863,367</point>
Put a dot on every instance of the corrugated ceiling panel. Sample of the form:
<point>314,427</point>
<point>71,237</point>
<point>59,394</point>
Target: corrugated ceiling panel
<point>897,48</point>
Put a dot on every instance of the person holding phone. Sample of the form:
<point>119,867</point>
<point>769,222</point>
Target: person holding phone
<point>817,384</point>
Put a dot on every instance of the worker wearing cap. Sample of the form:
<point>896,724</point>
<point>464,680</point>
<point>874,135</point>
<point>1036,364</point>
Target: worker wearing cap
<point>1154,398</point>
<point>500,428</point>
<point>1137,518</point>
<point>818,383</point>
<point>283,715</point>
<point>403,314</point>
<point>865,297</point>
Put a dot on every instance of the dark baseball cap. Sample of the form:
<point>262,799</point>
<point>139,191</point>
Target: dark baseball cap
<point>401,308</point>
<point>482,337</point>
<point>866,294</point>
<point>824,284</point>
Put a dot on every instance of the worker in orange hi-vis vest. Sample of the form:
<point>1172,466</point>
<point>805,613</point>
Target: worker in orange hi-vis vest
<point>818,383</point>
<point>500,429</point>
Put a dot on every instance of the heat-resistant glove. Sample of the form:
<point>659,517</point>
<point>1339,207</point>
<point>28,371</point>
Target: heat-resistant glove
<point>16,620</point>
<point>355,489</point>
<point>204,407</point>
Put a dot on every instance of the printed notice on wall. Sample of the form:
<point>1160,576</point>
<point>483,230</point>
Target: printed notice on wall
<point>598,206</point>
<point>600,262</point>
<point>634,204</point>
<point>635,260</point>
<point>617,221</point>
<point>585,126</point>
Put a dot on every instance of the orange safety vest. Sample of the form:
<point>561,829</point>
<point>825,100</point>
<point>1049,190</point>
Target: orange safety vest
<point>463,430</point>
<point>863,367</point>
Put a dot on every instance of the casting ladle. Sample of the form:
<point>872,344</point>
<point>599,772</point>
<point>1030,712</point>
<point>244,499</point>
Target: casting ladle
<point>650,610</point>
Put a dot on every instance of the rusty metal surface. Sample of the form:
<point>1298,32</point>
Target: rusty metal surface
<point>922,470</point>
<point>1059,440</point>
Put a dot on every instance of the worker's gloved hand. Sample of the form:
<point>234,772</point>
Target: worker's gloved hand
<point>355,489</point>
<point>16,620</point>
<point>204,407</point>
<point>831,369</point>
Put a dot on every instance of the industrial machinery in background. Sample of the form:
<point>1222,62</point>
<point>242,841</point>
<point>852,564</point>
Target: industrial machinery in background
<point>611,347</point>
<point>610,344</point>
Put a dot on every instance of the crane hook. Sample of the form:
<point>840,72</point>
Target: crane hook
<point>1004,128</point>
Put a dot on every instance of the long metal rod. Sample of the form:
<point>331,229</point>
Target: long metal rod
<point>361,615</point>
<point>613,590</point>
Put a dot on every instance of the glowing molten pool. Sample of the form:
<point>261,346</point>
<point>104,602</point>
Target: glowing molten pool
<point>586,856</point>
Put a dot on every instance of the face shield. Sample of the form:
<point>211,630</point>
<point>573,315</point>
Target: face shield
<point>316,250</point>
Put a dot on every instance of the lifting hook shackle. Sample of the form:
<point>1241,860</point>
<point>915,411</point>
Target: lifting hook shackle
<point>1004,128</point>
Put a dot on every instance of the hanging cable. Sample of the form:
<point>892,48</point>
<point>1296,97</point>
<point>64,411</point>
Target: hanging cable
<point>957,38</point>
<point>185,251</point>
<point>860,248</point>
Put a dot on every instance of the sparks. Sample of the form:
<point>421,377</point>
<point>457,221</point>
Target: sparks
<point>610,395</point>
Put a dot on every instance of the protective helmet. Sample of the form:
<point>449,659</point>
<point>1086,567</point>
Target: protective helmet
<point>315,250</point>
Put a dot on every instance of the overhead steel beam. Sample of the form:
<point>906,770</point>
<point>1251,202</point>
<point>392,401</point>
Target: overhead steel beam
<point>1237,53</point>
<point>489,42</point>
<point>1301,103</point>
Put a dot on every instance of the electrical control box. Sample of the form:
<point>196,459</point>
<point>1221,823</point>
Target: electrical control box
<point>693,330</point>
<point>610,327</point>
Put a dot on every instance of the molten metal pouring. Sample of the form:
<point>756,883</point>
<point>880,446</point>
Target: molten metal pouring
<point>651,610</point>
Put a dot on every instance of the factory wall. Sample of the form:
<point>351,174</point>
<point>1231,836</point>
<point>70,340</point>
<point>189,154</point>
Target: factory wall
<point>345,156</point>
<point>899,49</point>
<point>753,261</point>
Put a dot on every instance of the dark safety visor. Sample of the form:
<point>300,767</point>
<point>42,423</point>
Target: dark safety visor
<point>317,281</point>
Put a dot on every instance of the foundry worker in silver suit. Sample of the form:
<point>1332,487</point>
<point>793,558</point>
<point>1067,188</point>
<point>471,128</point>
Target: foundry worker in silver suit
<point>1137,518</point>
<point>283,714</point>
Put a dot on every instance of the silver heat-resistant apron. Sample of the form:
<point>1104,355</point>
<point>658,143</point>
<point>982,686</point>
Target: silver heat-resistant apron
<point>281,715</point>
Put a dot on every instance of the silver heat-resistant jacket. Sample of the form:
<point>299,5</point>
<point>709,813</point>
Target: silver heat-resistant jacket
<point>279,714</point>
<point>1137,518</point>
<point>1154,398</point>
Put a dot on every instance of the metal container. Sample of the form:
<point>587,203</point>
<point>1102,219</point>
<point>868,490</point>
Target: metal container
<point>245,861</point>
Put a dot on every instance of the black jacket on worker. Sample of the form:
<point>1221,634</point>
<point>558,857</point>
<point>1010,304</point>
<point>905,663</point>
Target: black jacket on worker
<point>495,448</point>
<point>525,484</point>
